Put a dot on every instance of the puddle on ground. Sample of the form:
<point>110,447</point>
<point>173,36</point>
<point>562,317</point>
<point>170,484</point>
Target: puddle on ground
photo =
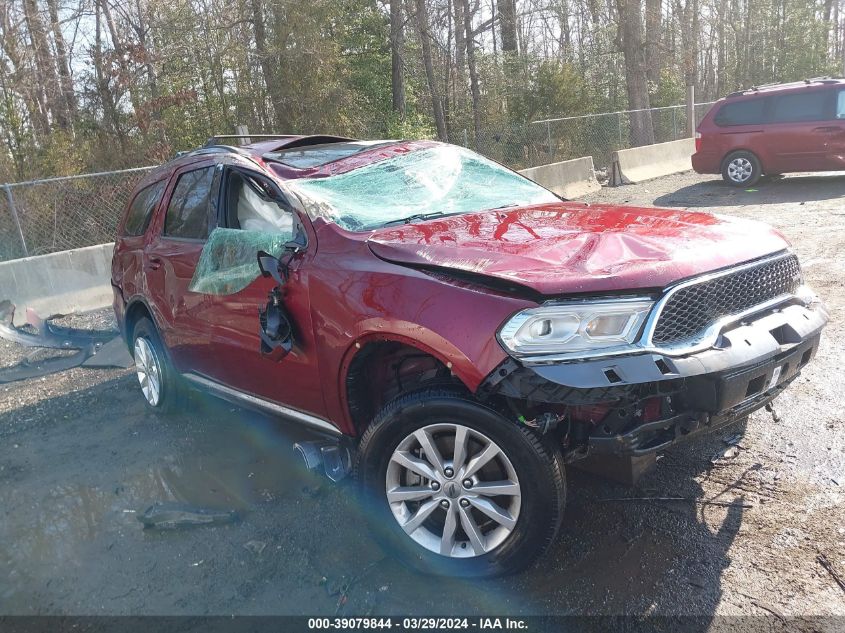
<point>53,525</point>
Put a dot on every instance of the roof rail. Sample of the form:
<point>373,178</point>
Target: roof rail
<point>789,84</point>
<point>214,139</point>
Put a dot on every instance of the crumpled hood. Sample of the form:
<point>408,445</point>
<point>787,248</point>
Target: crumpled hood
<point>566,247</point>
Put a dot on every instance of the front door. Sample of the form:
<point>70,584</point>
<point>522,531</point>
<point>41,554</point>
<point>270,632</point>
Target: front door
<point>251,219</point>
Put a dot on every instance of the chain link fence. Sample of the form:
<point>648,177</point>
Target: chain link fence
<point>56,214</point>
<point>599,135</point>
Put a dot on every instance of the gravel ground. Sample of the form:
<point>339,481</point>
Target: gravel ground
<point>80,457</point>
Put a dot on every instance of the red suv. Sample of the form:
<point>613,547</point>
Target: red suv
<point>456,332</point>
<point>772,130</point>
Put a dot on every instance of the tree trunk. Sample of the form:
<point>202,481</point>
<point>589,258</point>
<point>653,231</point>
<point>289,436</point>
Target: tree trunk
<point>274,87</point>
<point>473,73</point>
<point>652,36</point>
<point>48,89</point>
<point>397,71</point>
<point>507,25</point>
<point>424,27</point>
<point>631,39</point>
<point>68,95</point>
<point>101,75</point>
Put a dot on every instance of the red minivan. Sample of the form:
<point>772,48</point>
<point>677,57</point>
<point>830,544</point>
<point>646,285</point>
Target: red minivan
<point>772,130</point>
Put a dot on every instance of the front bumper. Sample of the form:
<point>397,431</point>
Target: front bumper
<point>751,363</point>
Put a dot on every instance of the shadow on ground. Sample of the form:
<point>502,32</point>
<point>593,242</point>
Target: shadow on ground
<point>790,189</point>
<point>74,471</point>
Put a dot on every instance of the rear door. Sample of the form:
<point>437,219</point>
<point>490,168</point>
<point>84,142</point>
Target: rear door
<point>798,130</point>
<point>128,258</point>
<point>836,137</point>
<point>171,257</point>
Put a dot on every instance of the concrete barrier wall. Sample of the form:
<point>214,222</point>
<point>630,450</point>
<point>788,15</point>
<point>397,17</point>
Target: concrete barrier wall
<point>651,161</point>
<point>569,178</point>
<point>64,282</point>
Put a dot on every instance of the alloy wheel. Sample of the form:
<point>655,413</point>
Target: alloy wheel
<point>739,169</point>
<point>453,490</point>
<point>148,369</point>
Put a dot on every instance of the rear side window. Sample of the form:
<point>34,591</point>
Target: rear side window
<point>745,112</point>
<point>141,209</point>
<point>189,211</point>
<point>803,106</point>
<point>840,105</point>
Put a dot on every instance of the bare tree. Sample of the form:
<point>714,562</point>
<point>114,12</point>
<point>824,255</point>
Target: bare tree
<point>636,79</point>
<point>397,71</point>
<point>423,27</point>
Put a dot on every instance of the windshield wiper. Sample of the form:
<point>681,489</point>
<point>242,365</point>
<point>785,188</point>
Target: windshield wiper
<point>420,216</point>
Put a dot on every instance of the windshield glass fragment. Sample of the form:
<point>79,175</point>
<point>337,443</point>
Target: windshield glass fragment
<point>440,180</point>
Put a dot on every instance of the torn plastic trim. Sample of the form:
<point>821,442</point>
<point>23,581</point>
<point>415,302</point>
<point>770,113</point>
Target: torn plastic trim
<point>90,346</point>
<point>47,334</point>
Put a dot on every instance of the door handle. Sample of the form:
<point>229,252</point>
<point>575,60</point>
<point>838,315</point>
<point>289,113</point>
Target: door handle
<point>154,263</point>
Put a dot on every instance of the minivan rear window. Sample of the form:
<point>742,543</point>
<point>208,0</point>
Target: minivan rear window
<point>802,106</point>
<point>141,209</point>
<point>745,112</point>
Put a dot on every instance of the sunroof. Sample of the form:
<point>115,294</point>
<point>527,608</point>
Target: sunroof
<point>317,155</point>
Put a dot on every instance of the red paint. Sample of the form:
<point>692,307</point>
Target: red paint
<point>570,248</point>
<point>781,147</point>
<point>347,290</point>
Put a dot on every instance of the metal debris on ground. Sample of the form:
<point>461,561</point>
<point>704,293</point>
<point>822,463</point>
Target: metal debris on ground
<point>256,547</point>
<point>728,453</point>
<point>95,348</point>
<point>824,562</point>
<point>171,515</point>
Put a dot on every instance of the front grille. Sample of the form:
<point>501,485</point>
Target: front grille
<point>692,309</point>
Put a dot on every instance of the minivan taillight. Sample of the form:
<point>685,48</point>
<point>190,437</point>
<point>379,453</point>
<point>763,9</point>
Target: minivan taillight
<point>698,141</point>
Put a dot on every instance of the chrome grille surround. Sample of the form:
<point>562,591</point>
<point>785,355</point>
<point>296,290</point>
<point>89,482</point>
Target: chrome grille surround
<point>687,312</point>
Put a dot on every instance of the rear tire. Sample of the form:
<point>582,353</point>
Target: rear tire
<point>161,385</point>
<point>741,169</point>
<point>460,519</point>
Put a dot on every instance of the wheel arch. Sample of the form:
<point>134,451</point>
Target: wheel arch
<point>369,375</point>
<point>136,308</point>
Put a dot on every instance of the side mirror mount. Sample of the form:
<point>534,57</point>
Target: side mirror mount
<point>272,267</point>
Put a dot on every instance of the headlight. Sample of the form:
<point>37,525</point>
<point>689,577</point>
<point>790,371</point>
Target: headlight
<point>575,326</point>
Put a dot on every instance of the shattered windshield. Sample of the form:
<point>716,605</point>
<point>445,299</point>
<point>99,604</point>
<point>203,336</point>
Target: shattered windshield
<point>440,180</point>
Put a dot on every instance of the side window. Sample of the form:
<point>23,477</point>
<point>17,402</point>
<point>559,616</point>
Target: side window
<point>840,104</point>
<point>802,106</point>
<point>745,112</point>
<point>251,207</point>
<point>141,209</point>
<point>191,205</point>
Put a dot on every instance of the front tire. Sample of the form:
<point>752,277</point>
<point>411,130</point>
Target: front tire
<point>160,383</point>
<point>453,488</point>
<point>741,169</point>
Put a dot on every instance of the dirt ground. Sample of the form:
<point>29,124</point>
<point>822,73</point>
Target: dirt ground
<point>80,457</point>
